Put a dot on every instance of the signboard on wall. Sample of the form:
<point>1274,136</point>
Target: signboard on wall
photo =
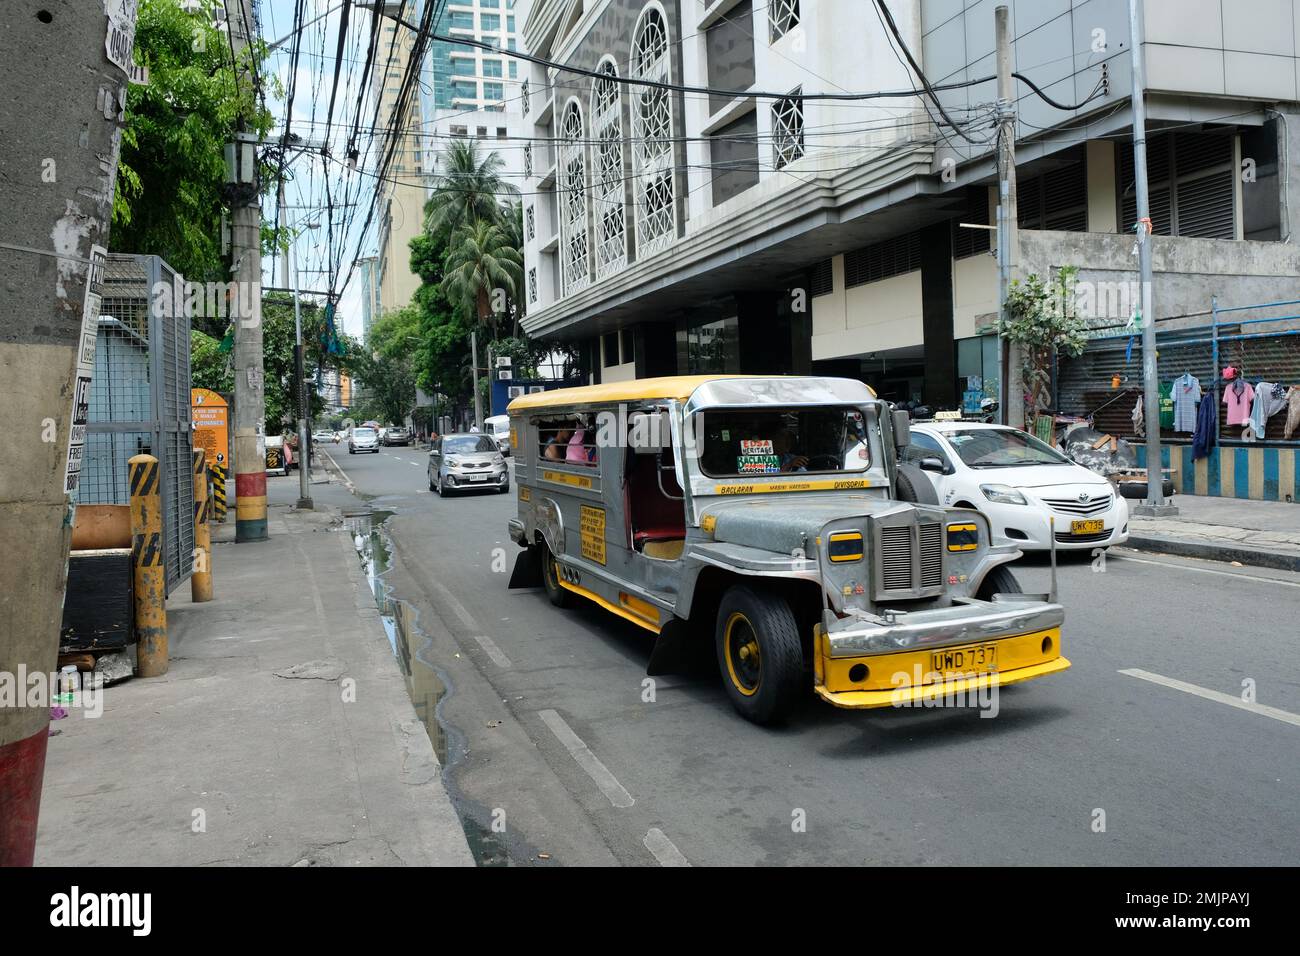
<point>211,416</point>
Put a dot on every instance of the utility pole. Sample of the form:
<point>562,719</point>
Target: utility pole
<point>478,402</point>
<point>1155,501</point>
<point>304,449</point>
<point>246,271</point>
<point>1008,225</point>
<point>58,168</point>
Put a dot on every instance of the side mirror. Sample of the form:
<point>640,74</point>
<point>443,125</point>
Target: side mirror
<point>902,429</point>
<point>932,464</point>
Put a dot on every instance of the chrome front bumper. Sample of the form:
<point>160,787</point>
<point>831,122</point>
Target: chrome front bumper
<point>965,622</point>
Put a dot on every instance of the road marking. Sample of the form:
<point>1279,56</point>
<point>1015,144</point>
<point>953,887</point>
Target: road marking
<point>587,760</point>
<point>663,849</point>
<point>1189,567</point>
<point>346,480</point>
<point>456,607</point>
<point>494,652</point>
<point>1283,715</point>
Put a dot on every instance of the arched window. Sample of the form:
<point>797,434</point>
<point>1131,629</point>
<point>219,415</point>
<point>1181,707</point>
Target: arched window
<point>652,145</point>
<point>575,270</point>
<point>607,134</point>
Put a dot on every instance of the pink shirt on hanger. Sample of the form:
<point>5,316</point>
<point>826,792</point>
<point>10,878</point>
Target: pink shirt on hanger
<point>1238,402</point>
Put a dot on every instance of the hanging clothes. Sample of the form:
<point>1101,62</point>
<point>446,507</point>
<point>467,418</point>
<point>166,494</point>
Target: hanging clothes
<point>1269,400</point>
<point>1292,411</point>
<point>1206,421</point>
<point>1187,392</point>
<point>1238,396</point>
<point>1167,405</point>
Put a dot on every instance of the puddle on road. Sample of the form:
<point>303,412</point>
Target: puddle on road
<point>425,685</point>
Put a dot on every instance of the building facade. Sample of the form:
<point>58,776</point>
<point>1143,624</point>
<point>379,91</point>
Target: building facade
<point>734,225</point>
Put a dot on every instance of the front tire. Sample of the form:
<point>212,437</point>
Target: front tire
<point>759,654</point>
<point>998,581</point>
<point>559,595</point>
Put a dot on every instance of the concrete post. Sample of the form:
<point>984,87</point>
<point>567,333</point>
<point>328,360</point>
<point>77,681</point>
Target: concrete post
<point>147,564</point>
<point>201,576</point>
<point>60,123</point>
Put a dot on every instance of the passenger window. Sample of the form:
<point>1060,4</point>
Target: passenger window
<point>924,446</point>
<point>569,441</point>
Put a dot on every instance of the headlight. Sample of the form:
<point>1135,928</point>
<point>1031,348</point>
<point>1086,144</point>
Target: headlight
<point>1003,494</point>
<point>498,460</point>
<point>453,462</point>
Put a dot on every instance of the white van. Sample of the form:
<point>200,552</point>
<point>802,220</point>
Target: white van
<point>498,426</point>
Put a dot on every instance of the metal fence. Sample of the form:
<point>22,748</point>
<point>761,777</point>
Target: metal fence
<point>140,398</point>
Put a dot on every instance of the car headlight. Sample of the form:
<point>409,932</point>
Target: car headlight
<point>498,460</point>
<point>453,462</point>
<point>1003,495</point>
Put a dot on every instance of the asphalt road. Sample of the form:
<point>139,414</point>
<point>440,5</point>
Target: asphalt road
<point>551,735</point>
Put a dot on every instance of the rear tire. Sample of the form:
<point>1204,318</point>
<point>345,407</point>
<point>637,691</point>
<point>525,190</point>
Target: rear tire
<point>504,488</point>
<point>1138,489</point>
<point>759,654</point>
<point>559,595</point>
<point>913,486</point>
<point>998,581</point>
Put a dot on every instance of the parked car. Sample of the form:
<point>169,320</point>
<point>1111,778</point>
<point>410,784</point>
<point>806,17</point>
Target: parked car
<point>1019,483</point>
<point>322,435</point>
<point>498,426</point>
<point>461,461</point>
<point>771,518</point>
<point>363,439</point>
<point>396,435</point>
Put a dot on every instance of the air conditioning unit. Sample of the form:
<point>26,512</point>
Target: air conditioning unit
<point>503,361</point>
<point>533,389</point>
<point>514,391</point>
<point>505,375</point>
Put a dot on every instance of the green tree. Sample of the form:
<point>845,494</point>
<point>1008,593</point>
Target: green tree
<point>483,272</point>
<point>171,169</point>
<point>466,189</point>
<point>209,366</point>
<point>386,365</point>
<point>1042,321</point>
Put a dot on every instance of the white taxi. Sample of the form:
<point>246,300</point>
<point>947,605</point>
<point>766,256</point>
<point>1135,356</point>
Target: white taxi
<point>1021,484</point>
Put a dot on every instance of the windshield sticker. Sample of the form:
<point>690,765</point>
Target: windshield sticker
<point>758,465</point>
<point>754,446</point>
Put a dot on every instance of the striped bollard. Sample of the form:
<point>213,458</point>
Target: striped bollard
<point>147,561</point>
<point>201,575</point>
<point>218,493</point>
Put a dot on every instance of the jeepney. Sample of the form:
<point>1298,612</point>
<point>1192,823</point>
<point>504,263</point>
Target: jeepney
<point>771,517</point>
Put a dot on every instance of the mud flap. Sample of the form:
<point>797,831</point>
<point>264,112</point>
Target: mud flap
<point>673,652</point>
<point>528,569</point>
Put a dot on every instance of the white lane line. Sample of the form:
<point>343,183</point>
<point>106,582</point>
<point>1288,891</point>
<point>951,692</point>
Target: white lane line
<point>663,849</point>
<point>1283,715</point>
<point>494,652</point>
<point>346,480</point>
<point>587,760</point>
<point>1189,567</point>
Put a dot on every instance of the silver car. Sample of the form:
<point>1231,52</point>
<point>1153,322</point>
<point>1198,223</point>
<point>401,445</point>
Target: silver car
<point>465,461</point>
<point>363,439</point>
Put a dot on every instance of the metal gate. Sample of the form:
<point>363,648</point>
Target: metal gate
<point>140,398</point>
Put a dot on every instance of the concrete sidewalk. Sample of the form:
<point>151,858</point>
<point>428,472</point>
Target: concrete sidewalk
<point>1259,533</point>
<point>282,734</point>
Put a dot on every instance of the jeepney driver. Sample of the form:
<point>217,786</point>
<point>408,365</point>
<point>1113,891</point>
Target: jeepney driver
<point>782,445</point>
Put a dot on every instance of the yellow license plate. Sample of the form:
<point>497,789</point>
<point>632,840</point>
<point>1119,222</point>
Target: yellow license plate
<point>966,659</point>
<point>1087,527</point>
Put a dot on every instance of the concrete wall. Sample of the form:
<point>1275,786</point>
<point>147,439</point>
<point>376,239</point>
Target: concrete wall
<point>867,318</point>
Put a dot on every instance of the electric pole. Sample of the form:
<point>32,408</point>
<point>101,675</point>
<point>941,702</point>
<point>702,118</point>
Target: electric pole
<point>1008,227</point>
<point>1155,501</point>
<point>478,402</point>
<point>246,271</point>
<point>59,170</point>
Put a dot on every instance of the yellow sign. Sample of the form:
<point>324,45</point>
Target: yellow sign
<point>211,417</point>
<point>592,528</point>
<point>577,481</point>
<point>525,493</point>
<point>764,487</point>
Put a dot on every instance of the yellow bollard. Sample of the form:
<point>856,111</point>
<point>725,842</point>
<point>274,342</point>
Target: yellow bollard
<point>218,493</point>
<point>201,576</point>
<point>147,560</point>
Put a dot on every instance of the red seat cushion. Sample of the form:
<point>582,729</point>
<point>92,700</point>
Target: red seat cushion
<point>660,534</point>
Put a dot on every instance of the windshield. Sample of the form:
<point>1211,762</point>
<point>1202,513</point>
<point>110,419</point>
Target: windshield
<point>363,433</point>
<point>1001,448</point>
<point>772,441</point>
<point>468,445</point>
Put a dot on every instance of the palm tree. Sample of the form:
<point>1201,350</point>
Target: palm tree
<point>481,259</point>
<point>466,190</point>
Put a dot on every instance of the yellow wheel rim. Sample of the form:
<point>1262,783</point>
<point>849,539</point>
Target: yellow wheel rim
<point>742,653</point>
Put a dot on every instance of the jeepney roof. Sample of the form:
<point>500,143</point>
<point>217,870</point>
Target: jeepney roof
<point>679,387</point>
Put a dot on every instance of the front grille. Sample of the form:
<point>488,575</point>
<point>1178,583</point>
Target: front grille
<point>931,555</point>
<point>1064,537</point>
<point>1073,506</point>
<point>896,558</point>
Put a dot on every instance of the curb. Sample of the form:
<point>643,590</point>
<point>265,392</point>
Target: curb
<point>1253,557</point>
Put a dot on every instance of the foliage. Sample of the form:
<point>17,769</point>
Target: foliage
<point>172,165</point>
<point>465,190</point>
<point>483,271</point>
<point>209,366</point>
<point>1042,321</point>
<point>278,336</point>
<point>386,365</point>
